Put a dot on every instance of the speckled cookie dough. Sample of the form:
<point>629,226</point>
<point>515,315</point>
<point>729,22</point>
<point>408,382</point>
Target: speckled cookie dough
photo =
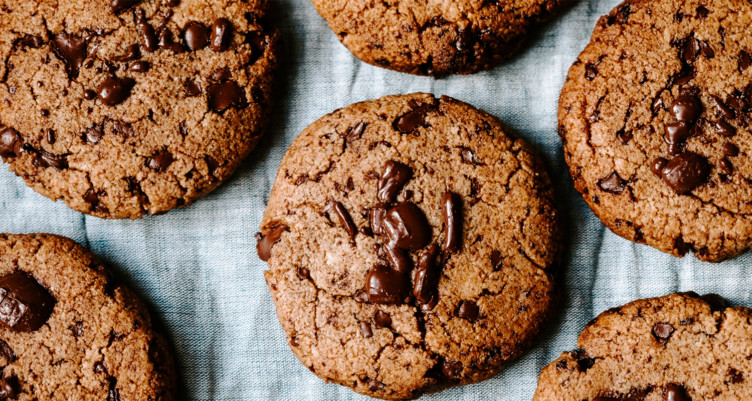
<point>434,37</point>
<point>124,108</point>
<point>655,119</point>
<point>412,243</point>
<point>69,331</point>
<point>680,347</point>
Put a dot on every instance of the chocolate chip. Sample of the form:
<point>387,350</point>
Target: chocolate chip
<point>378,213</point>
<point>496,260</point>
<point>450,368</point>
<point>365,330</point>
<point>725,166</point>
<point>731,150</point>
<point>221,35</point>
<point>452,222</point>
<point>725,129</point>
<point>386,286</point>
<point>612,184</point>
<point>30,41</point>
<point>303,273</point>
<point>192,88</point>
<point>745,60</point>
<point>120,5</point>
<point>467,310</point>
<point>140,66</point>
<point>374,385</point>
<point>9,388</point>
<point>343,216</point>
<point>100,368</point>
<point>393,178</point>
<point>591,71</point>
<point>726,111</point>
<point>412,120</point>
<point>149,37</point>
<point>686,108</point>
<point>361,297</point>
<point>355,131</point>
<point>398,259</point>
<point>113,393</point>
<point>675,392</point>
<point>676,134</point>
<point>426,276</point>
<point>167,42</point>
<point>196,35</point>
<point>381,319</point>
<point>24,304</point>
<point>10,143</point>
<point>662,332</point>
<point>133,53</point>
<point>46,159</point>
<point>94,134</point>
<point>690,50</point>
<point>226,95</point>
<point>735,376</point>
<point>406,226</point>
<point>265,243</point>
<point>686,172</point>
<point>72,50</point>
<point>658,165</point>
<point>113,91</point>
<point>172,3</point>
<point>7,352</point>
<point>160,161</point>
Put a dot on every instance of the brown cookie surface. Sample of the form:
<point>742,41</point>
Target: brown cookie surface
<point>678,347</point>
<point>434,37</point>
<point>68,331</point>
<point>126,108</point>
<point>411,243</point>
<point>655,122</point>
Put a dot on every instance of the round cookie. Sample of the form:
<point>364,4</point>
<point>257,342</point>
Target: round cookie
<point>123,108</point>
<point>678,347</point>
<point>412,243</point>
<point>434,37</point>
<point>655,119</point>
<point>68,331</point>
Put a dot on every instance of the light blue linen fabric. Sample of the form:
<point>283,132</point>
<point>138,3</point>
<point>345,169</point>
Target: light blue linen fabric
<point>197,268</point>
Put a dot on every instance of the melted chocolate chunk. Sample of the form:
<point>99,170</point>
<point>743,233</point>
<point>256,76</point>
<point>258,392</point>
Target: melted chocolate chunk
<point>221,35</point>
<point>378,213</point>
<point>10,143</point>
<point>497,262</point>
<point>113,91</point>
<point>467,310</point>
<point>410,121</point>
<point>452,222</point>
<point>133,53</point>
<point>225,95</point>
<point>686,172</point>
<point>9,388</point>
<point>148,37</point>
<point>46,159</point>
<point>392,180</point>
<point>24,304</point>
<point>196,35</point>
<point>675,392</point>
<point>612,184</point>
<point>662,332</point>
<point>745,60</point>
<point>406,227</point>
<point>726,111</point>
<point>381,319</point>
<point>7,352</point>
<point>386,286</point>
<point>72,50</point>
<point>265,243</point>
<point>343,216</point>
<point>686,108</point>
<point>140,66</point>
<point>355,131</point>
<point>365,330</point>
<point>94,134</point>
<point>160,161</point>
<point>167,42</point>
<point>725,129</point>
<point>120,5</point>
<point>398,259</point>
<point>426,276</point>
<point>192,89</point>
<point>90,94</point>
<point>30,41</point>
<point>676,134</point>
<point>730,150</point>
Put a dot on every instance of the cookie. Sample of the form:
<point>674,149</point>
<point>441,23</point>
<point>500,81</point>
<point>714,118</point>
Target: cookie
<point>412,243</point>
<point>124,108</point>
<point>655,119</point>
<point>69,331</point>
<point>434,37</point>
<point>678,347</point>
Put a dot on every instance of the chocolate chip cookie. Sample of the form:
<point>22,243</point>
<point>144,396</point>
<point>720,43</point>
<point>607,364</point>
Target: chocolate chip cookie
<point>412,243</point>
<point>679,347</point>
<point>434,37</point>
<point>123,108</point>
<point>69,331</point>
<point>655,119</point>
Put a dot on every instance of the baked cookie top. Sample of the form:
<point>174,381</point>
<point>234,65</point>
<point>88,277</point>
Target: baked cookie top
<point>123,108</point>
<point>69,331</point>
<point>679,347</point>
<point>434,37</point>
<point>656,126</point>
<point>411,244</point>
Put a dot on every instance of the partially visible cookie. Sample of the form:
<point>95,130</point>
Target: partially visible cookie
<point>434,37</point>
<point>655,119</point>
<point>678,347</point>
<point>69,331</point>
<point>411,243</point>
<point>123,108</point>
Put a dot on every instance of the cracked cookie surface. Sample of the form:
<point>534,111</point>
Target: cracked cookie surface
<point>434,37</point>
<point>678,347</point>
<point>127,107</point>
<point>412,243</point>
<point>655,120</point>
<point>87,337</point>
